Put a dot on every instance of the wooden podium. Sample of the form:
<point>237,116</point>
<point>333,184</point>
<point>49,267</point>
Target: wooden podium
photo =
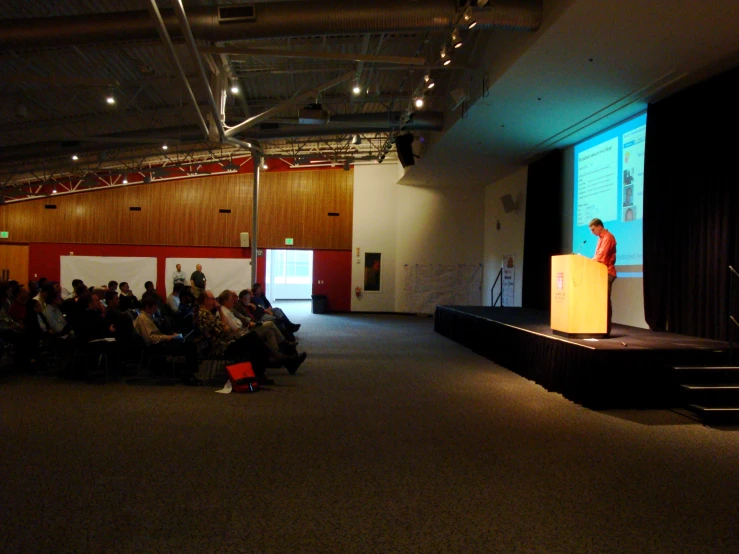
<point>579,296</point>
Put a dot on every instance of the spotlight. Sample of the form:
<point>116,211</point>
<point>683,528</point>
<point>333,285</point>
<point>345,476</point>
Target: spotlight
<point>482,3</point>
<point>53,191</point>
<point>419,102</point>
<point>125,181</point>
<point>164,147</point>
<point>110,99</point>
<point>75,157</point>
<point>447,61</point>
<point>456,39</point>
<point>264,165</point>
<point>356,139</point>
<point>444,54</point>
<point>356,89</point>
<point>429,81</point>
<point>234,89</point>
<point>468,19</point>
<point>381,158</point>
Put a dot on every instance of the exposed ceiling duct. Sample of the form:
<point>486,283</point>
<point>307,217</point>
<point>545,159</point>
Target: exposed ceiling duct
<point>271,20</point>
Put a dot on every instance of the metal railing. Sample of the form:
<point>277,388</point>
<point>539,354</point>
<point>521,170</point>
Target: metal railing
<point>734,279</point>
<point>493,299</point>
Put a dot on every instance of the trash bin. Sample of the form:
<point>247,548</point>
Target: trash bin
<point>320,303</point>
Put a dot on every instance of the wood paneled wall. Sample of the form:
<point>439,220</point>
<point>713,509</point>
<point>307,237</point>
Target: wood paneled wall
<point>293,204</point>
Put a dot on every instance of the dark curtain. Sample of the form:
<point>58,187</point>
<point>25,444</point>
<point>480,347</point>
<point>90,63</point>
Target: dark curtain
<point>691,208</point>
<point>543,229</point>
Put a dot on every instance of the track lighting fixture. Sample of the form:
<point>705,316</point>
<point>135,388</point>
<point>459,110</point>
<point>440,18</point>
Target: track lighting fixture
<point>164,147</point>
<point>234,89</point>
<point>125,181</point>
<point>75,157</point>
<point>447,61</point>
<point>456,39</point>
<point>419,102</point>
<point>468,19</point>
<point>444,54</point>
<point>110,99</point>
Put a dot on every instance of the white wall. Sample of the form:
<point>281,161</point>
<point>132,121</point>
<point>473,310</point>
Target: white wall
<point>508,240</point>
<point>375,230</point>
<point>439,225</point>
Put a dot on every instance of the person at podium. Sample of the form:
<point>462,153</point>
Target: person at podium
<point>605,253</point>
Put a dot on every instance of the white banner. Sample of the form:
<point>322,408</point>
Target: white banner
<point>98,270</point>
<point>220,273</point>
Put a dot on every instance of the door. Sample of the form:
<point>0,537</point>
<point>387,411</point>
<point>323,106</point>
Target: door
<point>289,275</point>
<point>14,262</point>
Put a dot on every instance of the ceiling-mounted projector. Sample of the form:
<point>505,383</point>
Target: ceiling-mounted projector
<point>313,114</point>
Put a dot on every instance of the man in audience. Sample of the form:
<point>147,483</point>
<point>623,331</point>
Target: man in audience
<point>120,321</point>
<point>163,344</point>
<point>260,300</point>
<point>127,299</point>
<point>71,307</point>
<point>89,325</point>
<point>247,307</point>
<point>45,293</point>
<point>17,309</point>
<point>179,276</point>
<point>113,285</point>
<point>58,324</point>
<point>173,300</point>
<point>198,281</point>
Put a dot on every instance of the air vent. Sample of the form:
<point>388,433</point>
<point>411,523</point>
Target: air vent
<point>135,208</point>
<point>50,206</point>
<point>236,14</point>
<point>224,211</point>
<point>333,214</point>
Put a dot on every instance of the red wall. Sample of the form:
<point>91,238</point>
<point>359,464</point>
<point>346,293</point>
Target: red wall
<point>334,268</point>
<point>331,266</point>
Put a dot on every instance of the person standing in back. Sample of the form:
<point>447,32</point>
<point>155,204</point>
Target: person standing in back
<point>198,281</point>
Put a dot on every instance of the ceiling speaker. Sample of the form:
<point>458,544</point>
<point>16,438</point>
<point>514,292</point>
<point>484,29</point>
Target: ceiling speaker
<point>509,204</point>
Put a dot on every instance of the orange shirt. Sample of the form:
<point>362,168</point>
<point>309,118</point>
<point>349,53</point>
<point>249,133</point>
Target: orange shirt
<point>605,251</point>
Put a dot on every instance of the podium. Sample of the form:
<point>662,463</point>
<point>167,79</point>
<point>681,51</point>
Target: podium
<point>579,297</point>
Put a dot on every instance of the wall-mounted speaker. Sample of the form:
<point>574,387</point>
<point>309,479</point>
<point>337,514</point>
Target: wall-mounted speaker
<point>405,150</point>
<point>244,237</point>
<point>509,204</point>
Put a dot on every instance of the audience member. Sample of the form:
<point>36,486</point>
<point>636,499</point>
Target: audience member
<point>198,281</point>
<point>113,285</point>
<point>173,300</point>
<point>58,324</point>
<point>247,307</point>
<point>268,331</point>
<point>127,299</point>
<point>163,344</point>
<point>17,309</point>
<point>120,321</point>
<point>260,300</point>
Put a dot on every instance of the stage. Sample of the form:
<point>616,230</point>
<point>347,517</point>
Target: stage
<point>629,369</point>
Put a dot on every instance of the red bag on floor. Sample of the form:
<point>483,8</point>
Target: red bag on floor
<point>242,377</point>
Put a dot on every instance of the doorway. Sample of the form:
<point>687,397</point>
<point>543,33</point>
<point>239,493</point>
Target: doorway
<point>289,275</point>
<point>14,263</point>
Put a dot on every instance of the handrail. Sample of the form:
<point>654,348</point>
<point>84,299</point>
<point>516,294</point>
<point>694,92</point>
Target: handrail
<point>493,300</point>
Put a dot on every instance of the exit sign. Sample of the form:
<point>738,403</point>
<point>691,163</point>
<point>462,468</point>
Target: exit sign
<point>3,234</point>
<point>288,242</point>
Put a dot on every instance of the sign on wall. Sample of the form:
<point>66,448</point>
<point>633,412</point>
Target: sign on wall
<point>509,281</point>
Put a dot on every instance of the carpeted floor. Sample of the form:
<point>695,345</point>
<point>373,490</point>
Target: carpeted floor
<point>389,439</point>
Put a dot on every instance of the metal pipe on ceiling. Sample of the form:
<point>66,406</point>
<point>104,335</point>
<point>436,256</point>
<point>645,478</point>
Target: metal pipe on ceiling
<point>271,20</point>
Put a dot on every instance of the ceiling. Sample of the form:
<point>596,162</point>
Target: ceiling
<point>591,65</point>
<point>62,61</point>
<point>534,79</point>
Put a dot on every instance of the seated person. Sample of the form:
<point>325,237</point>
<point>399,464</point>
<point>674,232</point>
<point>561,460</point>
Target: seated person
<point>246,307</point>
<point>17,309</point>
<point>89,323</point>
<point>260,300</point>
<point>37,328</point>
<point>160,343</point>
<point>246,347</point>
<point>113,285</point>
<point>173,300</point>
<point>57,322</point>
<point>127,299</point>
<point>267,330</point>
<point>120,321</point>
<point>70,306</point>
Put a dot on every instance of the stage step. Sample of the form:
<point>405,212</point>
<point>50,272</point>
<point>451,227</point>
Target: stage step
<point>712,391</point>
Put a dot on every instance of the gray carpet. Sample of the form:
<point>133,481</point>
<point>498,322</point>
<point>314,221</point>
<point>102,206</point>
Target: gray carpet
<point>389,439</point>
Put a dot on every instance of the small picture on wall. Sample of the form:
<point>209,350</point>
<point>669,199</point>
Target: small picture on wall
<point>372,271</point>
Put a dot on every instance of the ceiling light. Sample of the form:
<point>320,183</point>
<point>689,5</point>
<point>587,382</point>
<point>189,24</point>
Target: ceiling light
<point>164,147</point>
<point>75,157</point>
<point>419,102</point>
<point>356,89</point>
<point>456,39</point>
<point>430,84</point>
<point>356,139</point>
<point>468,19</point>
<point>125,181</point>
<point>110,99</point>
<point>482,3</point>
<point>447,61</point>
<point>264,165</point>
<point>444,52</point>
<point>53,191</point>
<point>235,89</point>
